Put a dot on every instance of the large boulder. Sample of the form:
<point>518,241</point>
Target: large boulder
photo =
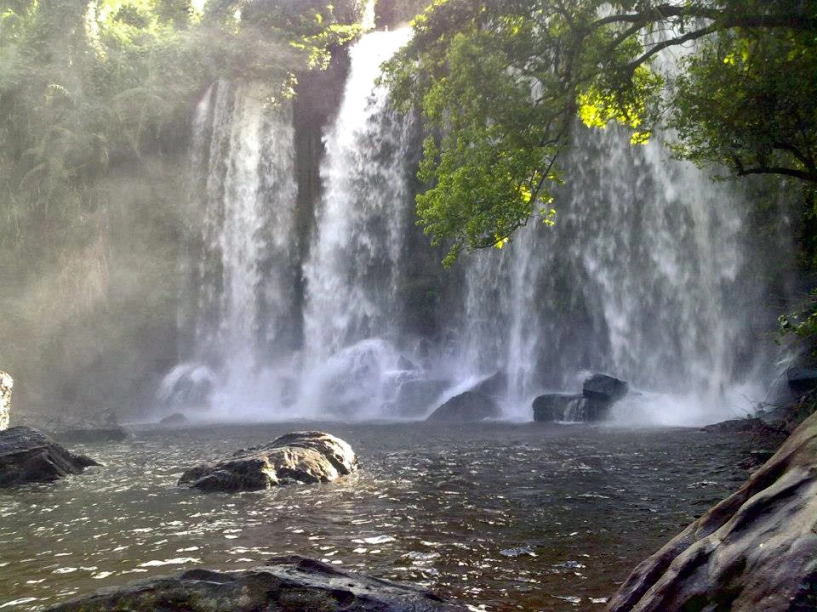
<point>27,455</point>
<point>604,388</point>
<point>299,457</point>
<point>496,385</point>
<point>285,584</point>
<point>556,407</point>
<point>755,551</point>
<point>6,384</point>
<point>467,407</point>
<point>415,397</point>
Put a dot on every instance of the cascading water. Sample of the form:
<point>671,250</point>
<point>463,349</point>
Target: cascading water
<point>647,276</point>
<point>245,278</point>
<point>355,265</point>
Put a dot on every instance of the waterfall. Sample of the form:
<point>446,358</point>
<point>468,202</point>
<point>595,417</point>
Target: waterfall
<point>648,275</point>
<point>245,192</point>
<point>354,268</point>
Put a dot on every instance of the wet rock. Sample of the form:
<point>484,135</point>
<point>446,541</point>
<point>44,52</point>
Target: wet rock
<point>801,380</point>
<point>284,584</point>
<point>494,386</point>
<point>299,457</point>
<point>177,418</point>
<point>27,455</point>
<point>6,384</point>
<point>91,435</point>
<point>467,407</point>
<point>603,388</point>
<point>568,407</point>
<point>415,397</point>
<point>756,550</point>
<point>554,406</point>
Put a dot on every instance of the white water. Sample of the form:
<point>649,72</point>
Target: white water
<point>647,276</point>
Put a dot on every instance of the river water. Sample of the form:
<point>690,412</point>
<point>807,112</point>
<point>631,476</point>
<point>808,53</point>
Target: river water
<point>502,516</point>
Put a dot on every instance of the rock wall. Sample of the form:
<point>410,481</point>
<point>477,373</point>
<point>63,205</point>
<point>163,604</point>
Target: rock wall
<point>756,551</point>
<point>6,383</point>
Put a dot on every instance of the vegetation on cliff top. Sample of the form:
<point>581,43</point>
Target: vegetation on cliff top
<point>502,83</point>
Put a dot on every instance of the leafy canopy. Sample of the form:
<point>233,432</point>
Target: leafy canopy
<point>501,84</point>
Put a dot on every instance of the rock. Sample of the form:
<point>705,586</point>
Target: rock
<point>304,456</point>
<point>754,551</point>
<point>568,407</point>
<point>554,406</point>
<point>27,455</point>
<point>494,386</point>
<point>603,388</point>
<point>91,435</point>
<point>415,397</point>
<point>466,407</point>
<point>284,584</point>
<point>6,384</point>
<point>801,380</point>
<point>177,418</point>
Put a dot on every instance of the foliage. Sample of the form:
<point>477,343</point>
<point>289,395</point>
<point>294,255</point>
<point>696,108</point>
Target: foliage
<point>502,82</point>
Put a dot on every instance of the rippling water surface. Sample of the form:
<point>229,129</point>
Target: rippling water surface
<point>500,516</point>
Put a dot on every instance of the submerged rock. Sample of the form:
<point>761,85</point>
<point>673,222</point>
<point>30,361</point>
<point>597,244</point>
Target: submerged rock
<point>27,455</point>
<point>177,418</point>
<point>284,584</point>
<point>6,384</point>
<point>756,550</point>
<point>304,457</point>
<point>466,407</point>
<point>91,435</point>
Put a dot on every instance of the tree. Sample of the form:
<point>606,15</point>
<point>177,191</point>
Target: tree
<point>501,83</point>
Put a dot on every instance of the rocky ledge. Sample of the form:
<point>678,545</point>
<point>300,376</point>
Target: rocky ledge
<point>755,551</point>
<point>284,584</point>
<point>27,455</point>
<point>300,457</point>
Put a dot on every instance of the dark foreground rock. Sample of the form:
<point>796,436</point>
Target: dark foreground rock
<point>467,407</point>
<point>756,551</point>
<point>285,584</point>
<point>27,455</point>
<point>299,457</point>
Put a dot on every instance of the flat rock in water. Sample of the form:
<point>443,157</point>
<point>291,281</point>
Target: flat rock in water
<point>467,407</point>
<point>27,455</point>
<point>284,584</point>
<point>91,435</point>
<point>299,457</point>
<point>755,551</point>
